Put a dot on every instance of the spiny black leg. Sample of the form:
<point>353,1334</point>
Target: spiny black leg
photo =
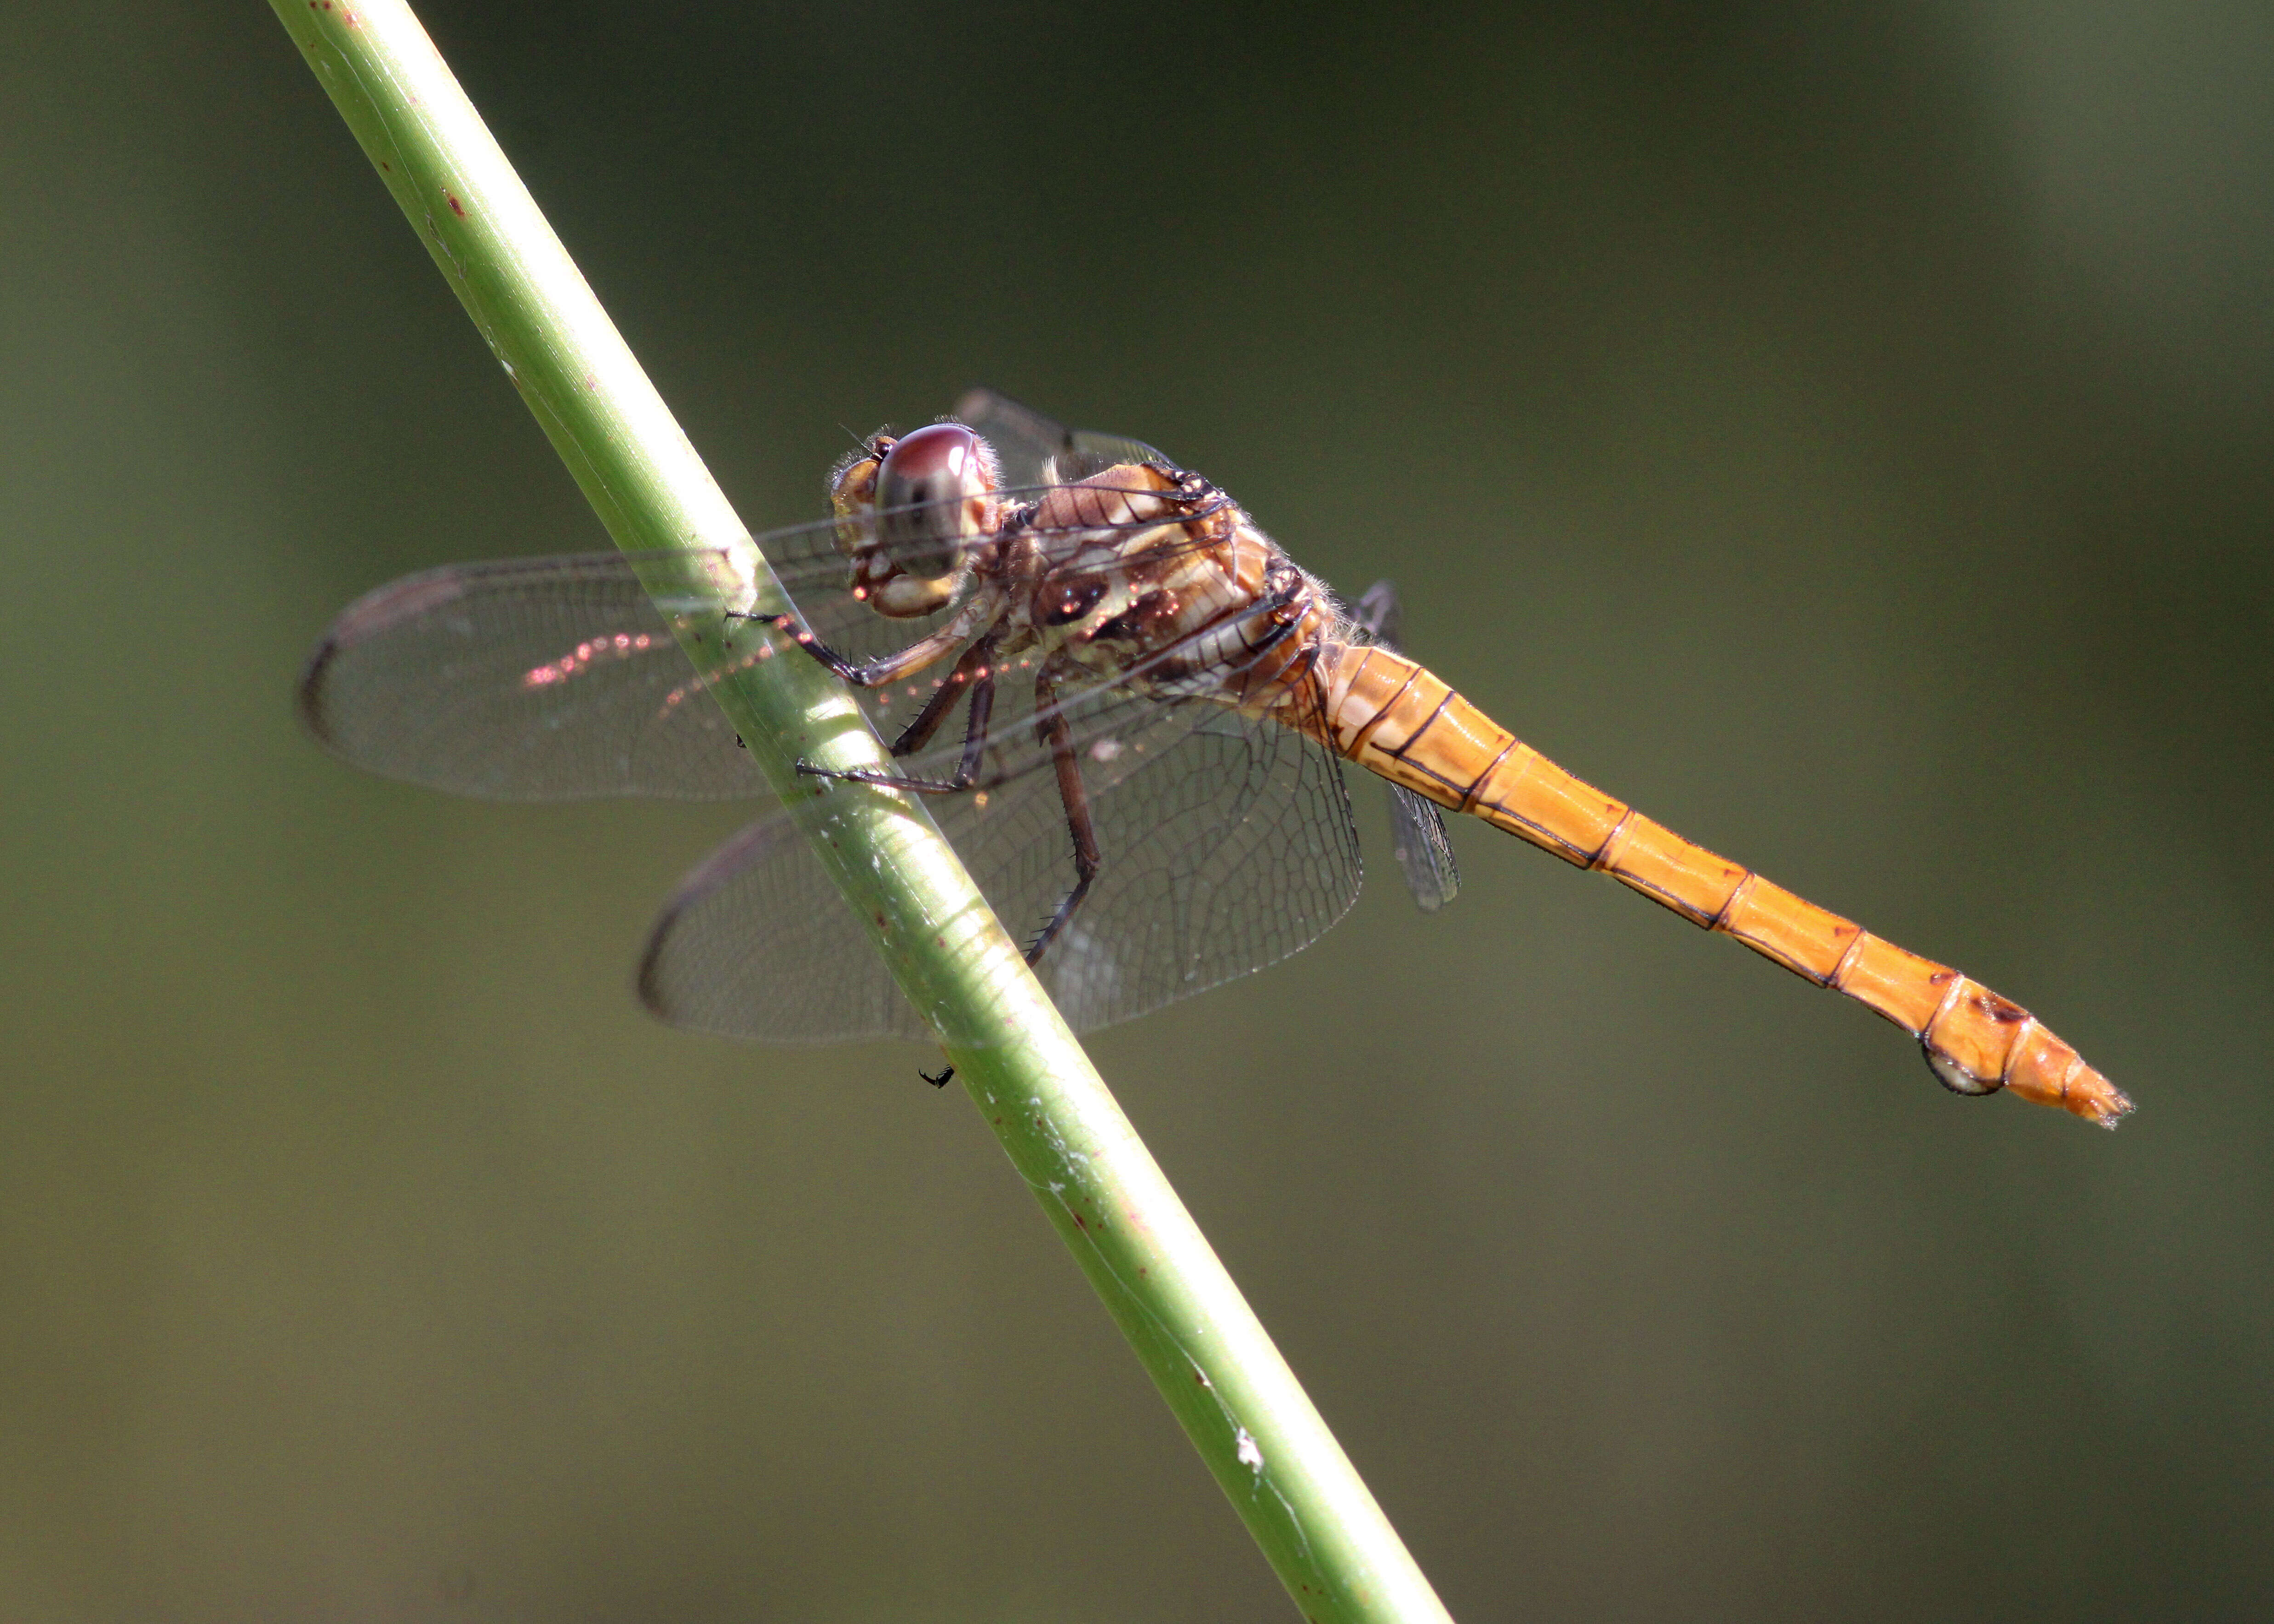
<point>980,662</point>
<point>975,666</point>
<point>946,1076</point>
<point>787,624</point>
<point>1050,727</point>
<point>944,699</point>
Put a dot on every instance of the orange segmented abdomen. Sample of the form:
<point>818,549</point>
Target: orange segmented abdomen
<point>1398,719</point>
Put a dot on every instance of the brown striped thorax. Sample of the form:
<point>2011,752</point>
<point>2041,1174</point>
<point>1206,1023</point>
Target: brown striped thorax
<point>1141,572</point>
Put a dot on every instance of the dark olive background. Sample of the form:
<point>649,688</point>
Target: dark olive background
<point>1843,429</point>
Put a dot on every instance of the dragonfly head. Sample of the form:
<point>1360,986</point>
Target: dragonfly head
<point>909,511</point>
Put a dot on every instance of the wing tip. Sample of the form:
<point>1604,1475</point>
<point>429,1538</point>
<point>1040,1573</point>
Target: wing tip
<point>374,613</point>
<point>308,697</point>
<point>647,982</point>
<point>650,981</point>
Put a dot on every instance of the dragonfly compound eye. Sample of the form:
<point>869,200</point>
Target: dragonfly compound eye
<point>935,494</point>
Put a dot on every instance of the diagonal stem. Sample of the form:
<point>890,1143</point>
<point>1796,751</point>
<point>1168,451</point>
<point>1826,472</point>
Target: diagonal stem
<point>1211,1360</point>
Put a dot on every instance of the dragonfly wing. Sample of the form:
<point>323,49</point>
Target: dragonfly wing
<point>1424,850</point>
<point>563,679</point>
<point>1226,844</point>
<point>1037,450</point>
<point>1380,616</point>
<point>757,942</point>
<point>1227,840</point>
<point>528,679</point>
<point>1418,838</point>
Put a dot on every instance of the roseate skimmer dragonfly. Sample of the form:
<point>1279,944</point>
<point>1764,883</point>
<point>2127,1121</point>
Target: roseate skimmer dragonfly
<point>1155,701</point>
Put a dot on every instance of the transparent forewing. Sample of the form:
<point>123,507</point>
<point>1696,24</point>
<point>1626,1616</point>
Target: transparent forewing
<point>527,679</point>
<point>1225,843</point>
<point>1035,450</point>
<point>1418,838</point>
<point>561,678</point>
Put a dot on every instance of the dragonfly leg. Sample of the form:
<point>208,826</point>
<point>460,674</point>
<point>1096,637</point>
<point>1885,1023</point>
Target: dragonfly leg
<point>870,673</point>
<point>1050,727</point>
<point>981,611</point>
<point>972,668</point>
<point>976,670</point>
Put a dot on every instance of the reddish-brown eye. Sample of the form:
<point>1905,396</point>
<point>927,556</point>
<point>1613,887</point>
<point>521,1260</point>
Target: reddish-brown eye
<point>934,492</point>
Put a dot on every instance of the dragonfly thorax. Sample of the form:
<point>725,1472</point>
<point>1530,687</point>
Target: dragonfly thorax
<point>1156,581</point>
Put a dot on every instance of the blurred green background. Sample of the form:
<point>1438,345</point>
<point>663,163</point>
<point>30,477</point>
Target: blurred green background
<point>1841,429</point>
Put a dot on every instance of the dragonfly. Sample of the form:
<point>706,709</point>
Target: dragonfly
<point>1126,707</point>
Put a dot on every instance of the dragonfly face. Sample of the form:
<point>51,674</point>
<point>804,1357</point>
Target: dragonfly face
<point>911,511</point>
<point>1127,707</point>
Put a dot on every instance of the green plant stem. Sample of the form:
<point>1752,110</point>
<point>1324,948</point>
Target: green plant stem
<point>1235,1396</point>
